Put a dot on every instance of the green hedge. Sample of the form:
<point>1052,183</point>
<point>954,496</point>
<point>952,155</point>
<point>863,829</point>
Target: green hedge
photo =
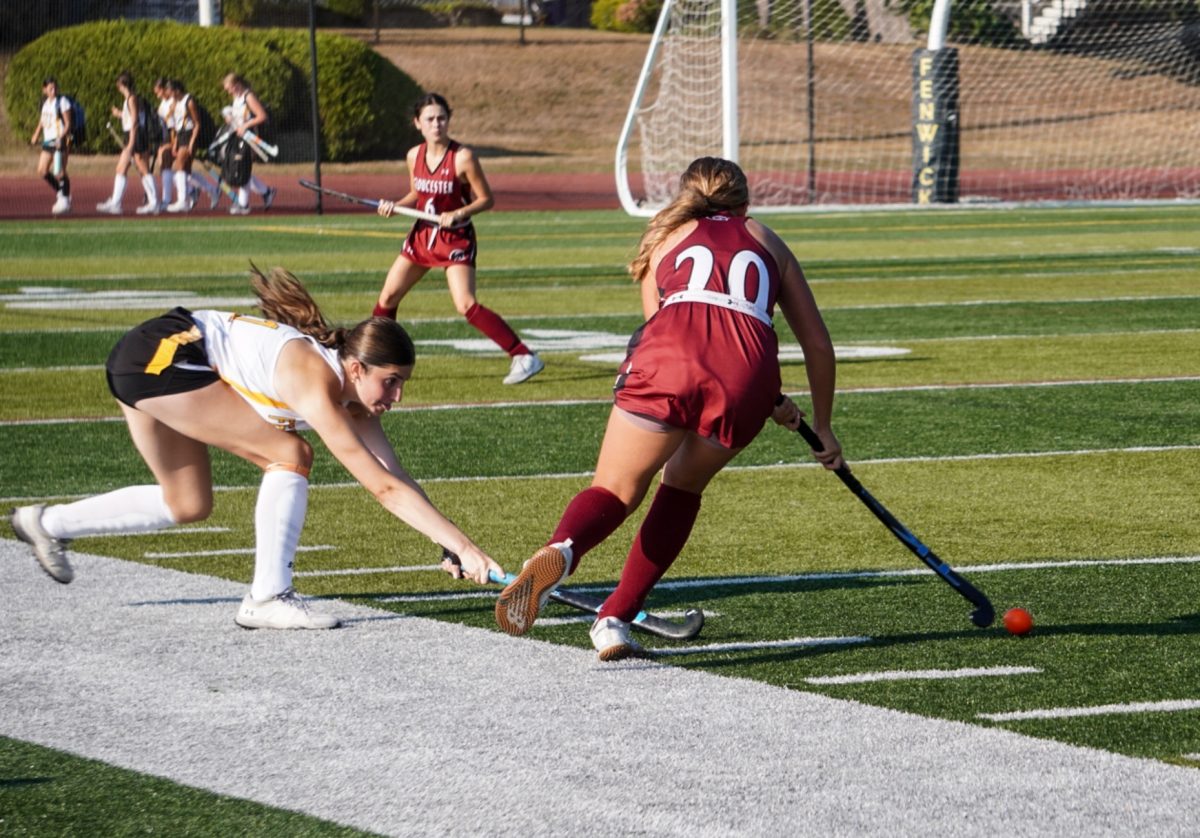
<point>364,99</point>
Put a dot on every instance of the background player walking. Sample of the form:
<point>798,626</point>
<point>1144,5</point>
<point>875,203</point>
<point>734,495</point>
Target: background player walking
<point>445,178</point>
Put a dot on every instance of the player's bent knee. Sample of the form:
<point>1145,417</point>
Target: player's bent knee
<point>190,510</point>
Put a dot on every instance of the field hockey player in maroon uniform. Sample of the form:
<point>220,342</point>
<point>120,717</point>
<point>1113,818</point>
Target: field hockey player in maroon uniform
<point>446,179</point>
<point>699,381</point>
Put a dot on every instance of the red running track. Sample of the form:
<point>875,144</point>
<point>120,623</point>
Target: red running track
<point>29,197</point>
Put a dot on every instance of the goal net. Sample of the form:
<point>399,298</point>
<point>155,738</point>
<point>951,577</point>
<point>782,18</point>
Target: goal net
<point>1054,100</point>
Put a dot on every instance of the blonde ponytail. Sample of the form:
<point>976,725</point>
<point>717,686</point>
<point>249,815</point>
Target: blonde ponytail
<point>709,186</point>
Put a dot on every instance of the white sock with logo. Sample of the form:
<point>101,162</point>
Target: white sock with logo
<point>278,519</point>
<point>132,509</point>
<point>150,189</point>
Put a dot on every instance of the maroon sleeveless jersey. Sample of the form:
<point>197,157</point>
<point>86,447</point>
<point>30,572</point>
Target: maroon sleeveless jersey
<point>708,360</point>
<point>439,190</point>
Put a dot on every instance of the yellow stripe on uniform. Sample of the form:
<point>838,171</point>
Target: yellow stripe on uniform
<point>164,356</point>
<point>258,398</point>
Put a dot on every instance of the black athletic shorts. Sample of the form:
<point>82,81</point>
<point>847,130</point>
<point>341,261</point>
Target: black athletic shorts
<point>143,363</point>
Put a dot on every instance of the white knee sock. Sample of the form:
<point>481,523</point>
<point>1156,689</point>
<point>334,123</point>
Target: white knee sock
<point>118,189</point>
<point>166,187</point>
<point>278,519</point>
<point>243,196</point>
<point>150,188</point>
<point>181,186</point>
<point>132,509</point>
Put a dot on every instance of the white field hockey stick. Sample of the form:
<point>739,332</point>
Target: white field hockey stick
<point>261,146</point>
<point>370,202</point>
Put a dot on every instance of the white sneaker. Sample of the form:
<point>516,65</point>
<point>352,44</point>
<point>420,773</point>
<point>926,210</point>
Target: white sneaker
<point>520,602</point>
<point>109,208</point>
<point>238,209</point>
<point>611,638</point>
<point>524,367</point>
<point>180,206</point>
<point>62,205</point>
<point>287,610</point>
<point>50,552</point>
<point>148,209</point>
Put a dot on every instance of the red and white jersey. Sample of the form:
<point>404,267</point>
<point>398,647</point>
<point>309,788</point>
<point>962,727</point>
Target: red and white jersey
<point>708,360</point>
<point>439,190</point>
<point>244,351</point>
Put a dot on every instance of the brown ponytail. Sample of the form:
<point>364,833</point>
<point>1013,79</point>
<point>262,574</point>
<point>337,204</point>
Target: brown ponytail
<point>710,186</point>
<point>377,341</point>
<point>284,299</point>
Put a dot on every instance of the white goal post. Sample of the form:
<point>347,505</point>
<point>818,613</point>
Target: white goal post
<point>848,103</point>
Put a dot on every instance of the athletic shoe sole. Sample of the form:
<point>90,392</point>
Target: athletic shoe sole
<point>519,603</point>
<point>43,545</point>
<point>616,653</point>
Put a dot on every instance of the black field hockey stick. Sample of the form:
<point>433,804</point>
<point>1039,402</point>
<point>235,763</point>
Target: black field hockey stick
<point>984,614</point>
<point>369,202</point>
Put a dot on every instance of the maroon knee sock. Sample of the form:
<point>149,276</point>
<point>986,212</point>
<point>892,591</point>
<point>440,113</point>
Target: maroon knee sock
<point>591,516</point>
<point>380,311</point>
<point>659,542</point>
<point>494,328</point>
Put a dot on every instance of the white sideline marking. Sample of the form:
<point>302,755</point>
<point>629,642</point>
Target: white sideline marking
<point>1195,757</point>
<point>365,571</point>
<point>235,551</point>
<point>1099,710</point>
<point>794,643</point>
<point>923,675</point>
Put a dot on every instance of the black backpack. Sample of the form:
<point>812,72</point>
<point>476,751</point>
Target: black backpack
<point>78,120</point>
<point>207,127</point>
<point>150,123</point>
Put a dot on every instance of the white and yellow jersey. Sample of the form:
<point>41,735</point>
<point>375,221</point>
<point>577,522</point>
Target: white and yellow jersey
<point>51,111</point>
<point>244,351</point>
<point>166,112</point>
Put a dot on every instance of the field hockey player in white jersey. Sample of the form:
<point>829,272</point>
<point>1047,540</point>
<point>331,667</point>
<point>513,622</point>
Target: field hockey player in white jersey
<point>54,128</point>
<point>285,371</point>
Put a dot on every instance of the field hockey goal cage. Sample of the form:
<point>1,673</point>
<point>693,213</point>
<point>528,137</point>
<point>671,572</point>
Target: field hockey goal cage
<point>828,103</point>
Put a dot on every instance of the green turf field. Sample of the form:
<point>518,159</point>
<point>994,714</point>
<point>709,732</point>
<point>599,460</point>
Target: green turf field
<point>1039,428</point>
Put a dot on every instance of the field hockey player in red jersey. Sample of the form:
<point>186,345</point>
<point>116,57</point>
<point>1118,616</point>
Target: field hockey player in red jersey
<point>285,371</point>
<point>446,179</point>
<point>700,379</point>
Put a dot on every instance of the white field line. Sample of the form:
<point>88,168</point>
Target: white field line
<point>458,406</point>
<point>800,577</point>
<point>366,571</point>
<point>794,643</point>
<point>977,303</point>
<point>1099,710</point>
<point>1195,757</point>
<point>176,531</point>
<point>923,675</point>
<point>236,551</point>
<point>915,571</point>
